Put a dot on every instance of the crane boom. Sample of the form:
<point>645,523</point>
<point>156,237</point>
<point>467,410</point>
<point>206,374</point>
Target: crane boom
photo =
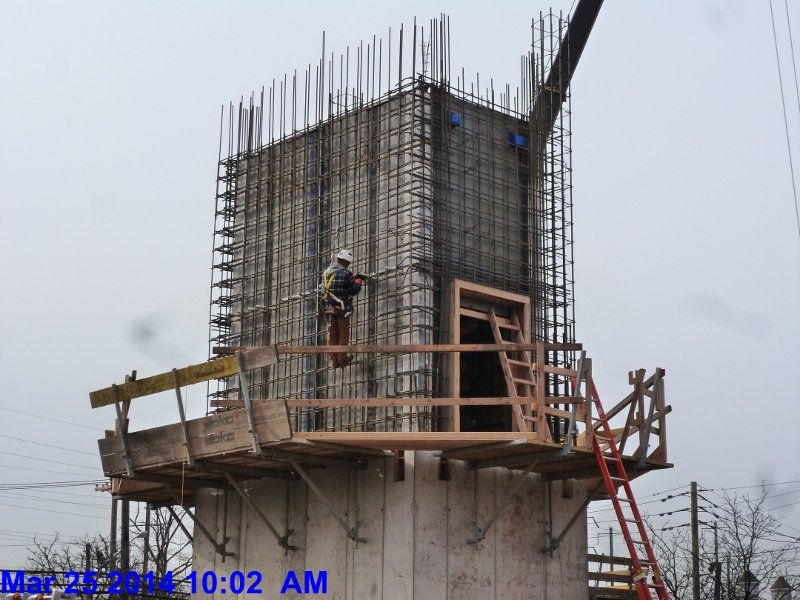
<point>551,95</point>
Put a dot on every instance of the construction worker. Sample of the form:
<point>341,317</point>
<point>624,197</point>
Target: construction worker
<point>339,285</point>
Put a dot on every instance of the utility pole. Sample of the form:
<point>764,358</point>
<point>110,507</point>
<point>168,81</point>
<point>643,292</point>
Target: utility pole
<point>112,542</point>
<point>125,516</point>
<point>728,577</point>
<point>125,544</point>
<point>146,538</point>
<point>695,546</point>
<point>611,546</point>
<point>717,567</point>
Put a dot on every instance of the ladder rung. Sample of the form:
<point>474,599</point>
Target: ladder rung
<point>521,363</point>
<point>508,326</point>
<point>525,381</point>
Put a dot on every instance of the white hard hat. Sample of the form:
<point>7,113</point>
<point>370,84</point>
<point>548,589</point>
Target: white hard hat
<point>345,255</point>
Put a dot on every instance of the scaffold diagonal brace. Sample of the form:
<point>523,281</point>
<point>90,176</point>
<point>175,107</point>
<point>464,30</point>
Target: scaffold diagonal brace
<point>283,540</point>
<point>352,532</point>
<point>218,546</point>
<point>479,532</point>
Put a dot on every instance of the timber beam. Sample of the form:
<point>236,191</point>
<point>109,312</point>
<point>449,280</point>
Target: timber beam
<point>400,348</point>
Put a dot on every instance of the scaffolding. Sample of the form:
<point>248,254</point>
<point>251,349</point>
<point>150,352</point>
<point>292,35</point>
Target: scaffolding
<point>426,179</point>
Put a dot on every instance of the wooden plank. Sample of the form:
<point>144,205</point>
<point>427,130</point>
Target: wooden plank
<point>414,440</point>
<point>484,292</point>
<point>367,558</point>
<point>430,529</point>
<point>482,316</point>
<point>227,403</point>
<point>399,534</point>
<point>470,567</point>
<point>455,357</point>
<point>401,348</point>
<point>397,402</point>
<point>212,369</point>
<point>557,412</point>
<point>560,371</point>
<point>209,436</point>
<point>519,557</point>
<point>326,541</point>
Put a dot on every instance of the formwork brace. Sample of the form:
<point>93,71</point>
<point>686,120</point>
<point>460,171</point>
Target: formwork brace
<point>648,423</point>
<point>123,429</point>
<point>281,455</point>
<point>219,547</point>
<point>583,365</point>
<point>555,542</point>
<point>248,405</point>
<point>283,540</point>
<point>182,413</point>
<point>352,532</point>
<point>481,531</point>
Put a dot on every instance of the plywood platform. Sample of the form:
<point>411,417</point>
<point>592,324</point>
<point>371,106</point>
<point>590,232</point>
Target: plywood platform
<point>221,446</point>
<point>167,464</point>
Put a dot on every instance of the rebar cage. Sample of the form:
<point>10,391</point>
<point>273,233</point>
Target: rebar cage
<point>424,181</point>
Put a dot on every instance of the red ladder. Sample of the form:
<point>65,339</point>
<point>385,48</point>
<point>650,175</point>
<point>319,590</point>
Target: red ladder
<point>609,458</point>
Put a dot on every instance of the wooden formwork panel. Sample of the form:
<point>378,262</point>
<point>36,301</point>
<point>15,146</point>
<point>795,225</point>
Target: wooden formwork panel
<point>212,436</point>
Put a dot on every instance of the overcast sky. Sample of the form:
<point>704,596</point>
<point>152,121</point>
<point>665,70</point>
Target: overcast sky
<point>686,241</point>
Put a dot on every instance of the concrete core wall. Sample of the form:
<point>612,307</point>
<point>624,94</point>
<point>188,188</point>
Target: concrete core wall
<point>416,533</point>
<point>423,187</point>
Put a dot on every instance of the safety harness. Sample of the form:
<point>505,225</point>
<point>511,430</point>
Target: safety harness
<point>328,297</point>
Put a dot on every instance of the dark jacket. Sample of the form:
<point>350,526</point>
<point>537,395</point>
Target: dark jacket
<point>342,286</point>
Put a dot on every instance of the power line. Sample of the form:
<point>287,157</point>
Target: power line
<point>40,534</point>
<point>791,45</point>
<point>49,460</point>
<point>58,500</point>
<point>62,421</point>
<point>39,470</point>
<point>49,484</point>
<point>58,512</point>
<point>9,437</point>
<point>785,120</point>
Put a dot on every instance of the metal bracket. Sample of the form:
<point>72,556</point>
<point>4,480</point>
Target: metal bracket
<point>352,532</point>
<point>219,547</point>
<point>283,540</point>
<point>248,405</point>
<point>123,428</point>
<point>555,542</point>
<point>189,457</point>
<point>480,532</point>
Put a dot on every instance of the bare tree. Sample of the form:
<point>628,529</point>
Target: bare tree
<point>167,550</point>
<point>754,548</point>
<point>59,556</point>
<point>673,548</point>
<point>753,552</point>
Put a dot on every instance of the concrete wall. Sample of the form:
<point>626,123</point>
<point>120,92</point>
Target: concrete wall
<point>417,533</point>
